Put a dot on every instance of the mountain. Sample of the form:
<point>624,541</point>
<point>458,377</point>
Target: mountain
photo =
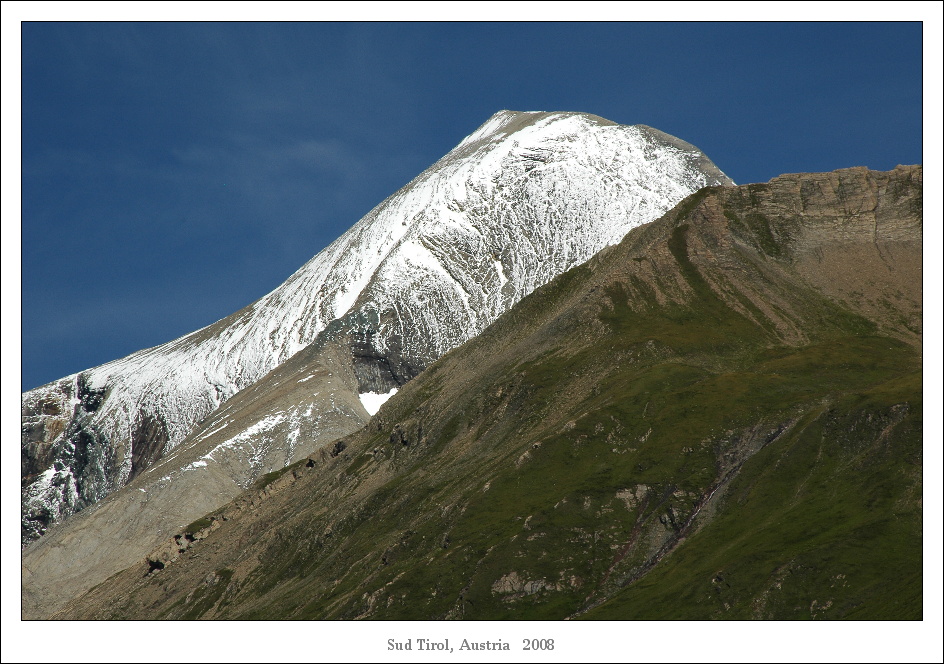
<point>187,426</point>
<point>719,417</point>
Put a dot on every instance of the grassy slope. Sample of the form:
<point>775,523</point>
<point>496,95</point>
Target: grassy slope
<point>623,444</point>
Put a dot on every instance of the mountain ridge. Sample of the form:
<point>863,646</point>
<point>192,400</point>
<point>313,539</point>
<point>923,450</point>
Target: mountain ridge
<point>712,379</point>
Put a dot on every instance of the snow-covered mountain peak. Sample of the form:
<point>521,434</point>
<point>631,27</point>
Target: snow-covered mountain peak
<point>521,123</point>
<point>523,198</point>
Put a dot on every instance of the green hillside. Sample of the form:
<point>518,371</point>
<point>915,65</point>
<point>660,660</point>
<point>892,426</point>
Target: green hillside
<point>721,417</point>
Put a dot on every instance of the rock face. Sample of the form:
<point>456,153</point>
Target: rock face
<point>720,417</point>
<point>191,423</point>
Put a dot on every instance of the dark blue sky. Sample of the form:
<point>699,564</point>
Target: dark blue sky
<point>172,172</point>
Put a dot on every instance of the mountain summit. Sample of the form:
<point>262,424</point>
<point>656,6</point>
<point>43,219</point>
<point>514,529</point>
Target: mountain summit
<point>520,200</point>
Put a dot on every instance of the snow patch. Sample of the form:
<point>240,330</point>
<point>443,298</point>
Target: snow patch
<point>373,401</point>
<point>502,279</point>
